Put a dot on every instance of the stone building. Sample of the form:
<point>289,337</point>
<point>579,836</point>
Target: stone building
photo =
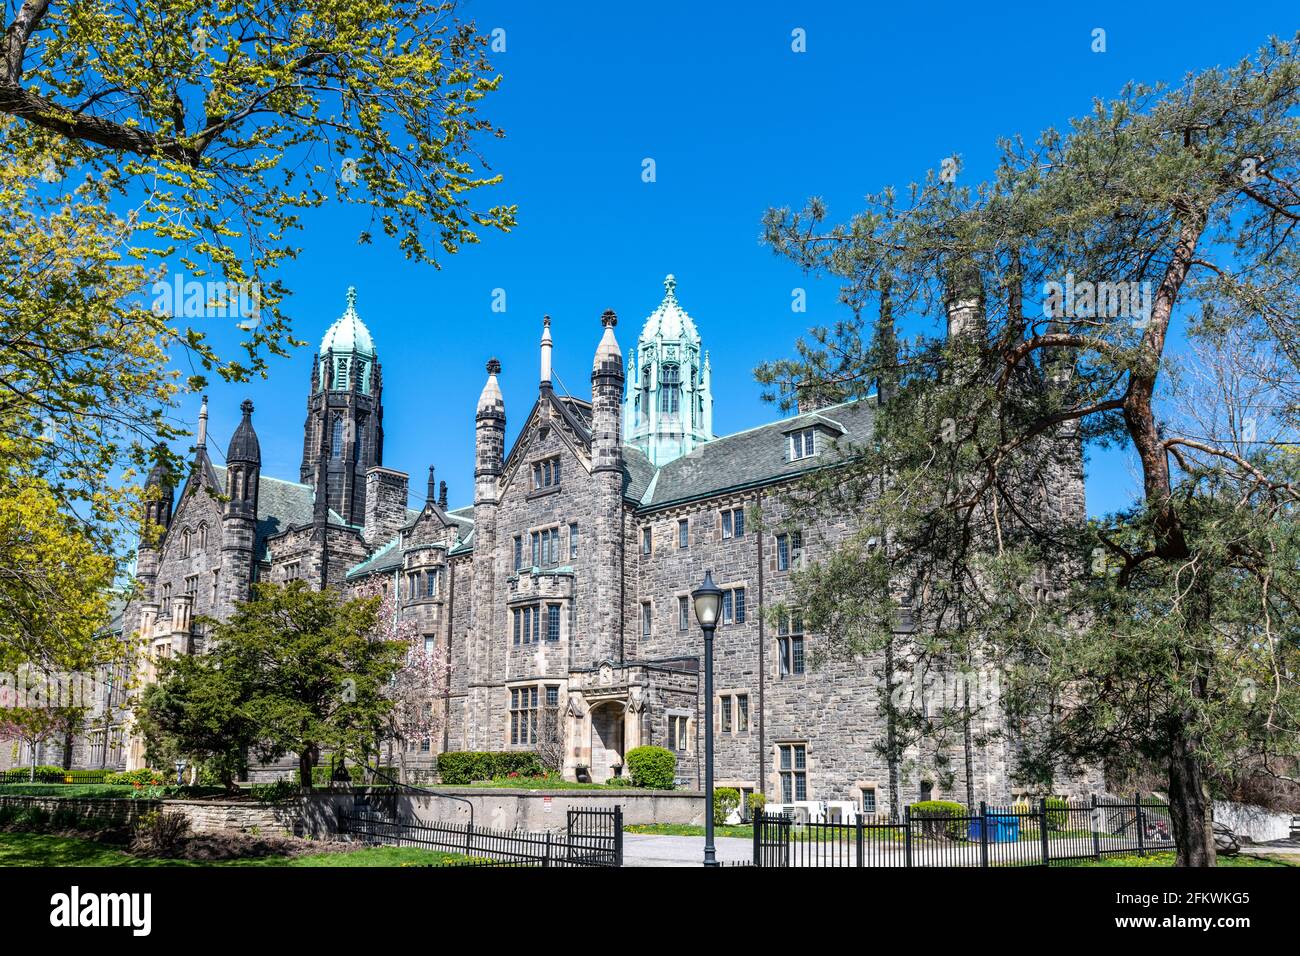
<point>559,599</point>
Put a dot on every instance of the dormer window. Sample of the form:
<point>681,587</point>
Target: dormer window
<point>546,474</point>
<point>803,443</point>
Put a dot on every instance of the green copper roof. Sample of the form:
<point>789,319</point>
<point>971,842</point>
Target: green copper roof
<point>349,333</point>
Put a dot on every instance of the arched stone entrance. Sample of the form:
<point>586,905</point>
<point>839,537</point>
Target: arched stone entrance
<point>606,739</point>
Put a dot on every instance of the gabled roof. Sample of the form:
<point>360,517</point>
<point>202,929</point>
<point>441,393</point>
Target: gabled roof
<point>280,505</point>
<point>749,458</point>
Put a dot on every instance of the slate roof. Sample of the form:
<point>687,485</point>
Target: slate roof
<point>280,505</point>
<point>746,459</point>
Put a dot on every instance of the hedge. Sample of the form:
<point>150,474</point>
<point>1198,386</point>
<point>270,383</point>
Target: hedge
<point>934,815</point>
<point>144,777</point>
<point>725,799</point>
<point>652,767</point>
<point>458,767</point>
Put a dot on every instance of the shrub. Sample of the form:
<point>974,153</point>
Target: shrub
<point>618,782</point>
<point>1056,813</point>
<point>142,777</point>
<point>935,818</point>
<point>725,799</point>
<point>322,776</point>
<point>276,791</point>
<point>458,767</point>
<point>652,767</point>
<point>44,774</point>
<point>159,834</point>
<point>32,818</point>
<point>757,801</point>
<point>65,818</point>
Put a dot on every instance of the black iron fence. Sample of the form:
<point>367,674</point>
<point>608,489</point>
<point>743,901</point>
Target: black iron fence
<point>52,775</point>
<point>591,838</point>
<point>1023,834</point>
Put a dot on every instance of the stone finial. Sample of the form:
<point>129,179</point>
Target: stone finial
<point>202,438</point>
<point>246,406</point>
<point>352,298</point>
<point>608,319</point>
<point>670,286</point>
<point>493,367</point>
<point>429,491</point>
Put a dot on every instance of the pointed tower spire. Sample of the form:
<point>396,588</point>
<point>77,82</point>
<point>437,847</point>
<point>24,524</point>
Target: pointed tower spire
<point>546,351</point>
<point>201,440</point>
<point>428,495</point>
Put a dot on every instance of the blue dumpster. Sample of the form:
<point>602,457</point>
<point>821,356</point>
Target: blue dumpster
<point>1003,828</point>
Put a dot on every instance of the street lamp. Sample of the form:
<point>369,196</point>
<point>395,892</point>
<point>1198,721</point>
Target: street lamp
<point>708,606</point>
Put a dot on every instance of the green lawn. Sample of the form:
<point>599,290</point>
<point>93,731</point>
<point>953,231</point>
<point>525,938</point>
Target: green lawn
<point>38,849</point>
<point>687,829</point>
<point>1167,859</point>
<point>551,782</point>
<point>66,790</point>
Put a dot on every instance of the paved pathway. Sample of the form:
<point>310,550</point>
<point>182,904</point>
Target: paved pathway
<point>652,849</point>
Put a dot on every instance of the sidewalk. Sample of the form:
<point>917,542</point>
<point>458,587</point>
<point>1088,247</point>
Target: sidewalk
<point>652,849</point>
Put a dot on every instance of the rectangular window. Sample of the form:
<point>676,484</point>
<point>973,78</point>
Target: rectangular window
<point>788,547</point>
<point>523,715</point>
<point>645,540</point>
<point>537,624</point>
<point>552,622</point>
<point>725,716</point>
<point>552,696</point>
<point>793,764</point>
<point>646,619</point>
<point>803,444</point>
<point>537,545</point>
<point>519,552</point>
<point>517,614</point>
<point>868,801</point>
<point>742,713</point>
<point>733,523</point>
<point>431,584</point>
<point>790,645</point>
<point>683,533</point>
<point>683,613</point>
<point>573,540</point>
<point>430,642</point>
<point>679,732</point>
<point>733,606</point>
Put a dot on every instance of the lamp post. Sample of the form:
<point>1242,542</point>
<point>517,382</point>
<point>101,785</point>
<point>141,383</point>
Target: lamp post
<point>707,599</point>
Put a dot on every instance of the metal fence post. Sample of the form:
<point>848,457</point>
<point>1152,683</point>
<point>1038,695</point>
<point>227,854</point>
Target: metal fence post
<point>907,835</point>
<point>984,833</point>
<point>861,841</point>
<point>1141,824</point>
<point>1093,822</point>
<point>618,835</point>
<point>1042,829</point>
<point>469,838</point>
<point>758,830</point>
<point>546,860</point>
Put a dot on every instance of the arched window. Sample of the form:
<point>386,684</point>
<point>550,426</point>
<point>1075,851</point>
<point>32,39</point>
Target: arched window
<point>336,438</point>
<point>185,543</point>
<point>203,536</point>
<point>670,392</point>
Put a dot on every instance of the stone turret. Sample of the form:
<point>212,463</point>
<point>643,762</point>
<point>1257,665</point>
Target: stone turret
<point>668,408</point>
<point>607,481</point>
<point>489,453</point>
<point>239,519</point>
<point>158,493</point>
<point>344,435</point>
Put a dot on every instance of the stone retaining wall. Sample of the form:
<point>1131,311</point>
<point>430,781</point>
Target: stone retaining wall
<point>117,812</point>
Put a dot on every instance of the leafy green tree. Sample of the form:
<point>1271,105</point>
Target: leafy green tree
<point>196,710</point>
<point>38,725</point>
<point>1167,632</point>
<point>307,670</point>
<point>199,135</point>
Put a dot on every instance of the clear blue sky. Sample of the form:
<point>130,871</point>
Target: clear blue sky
<point>736,122</point>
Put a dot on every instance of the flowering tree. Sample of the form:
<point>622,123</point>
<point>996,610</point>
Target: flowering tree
<point>419,682</point>
<point>35,726</point>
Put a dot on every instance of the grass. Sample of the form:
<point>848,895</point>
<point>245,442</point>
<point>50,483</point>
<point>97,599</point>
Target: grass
<point>1167,859</point>
<point>688,829</point>
<point>549,782</point>
<point>39,849</point>
<point>67,790</point>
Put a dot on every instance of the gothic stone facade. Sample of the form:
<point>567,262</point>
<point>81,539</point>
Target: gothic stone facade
<point>561,595</point>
